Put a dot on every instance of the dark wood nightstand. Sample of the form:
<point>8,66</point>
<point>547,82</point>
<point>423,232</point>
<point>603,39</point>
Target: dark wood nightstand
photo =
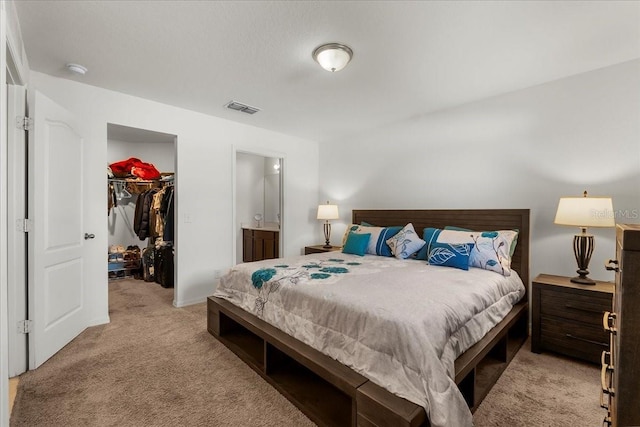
<point>318,249</point>
<point>567,317</point>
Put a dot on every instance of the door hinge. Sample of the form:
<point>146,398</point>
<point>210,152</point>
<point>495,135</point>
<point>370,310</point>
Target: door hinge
<point>24,123</point>
<point>24,225</point>
<point>25,326</point>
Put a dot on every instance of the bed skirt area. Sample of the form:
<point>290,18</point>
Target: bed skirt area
<point>332,394</point>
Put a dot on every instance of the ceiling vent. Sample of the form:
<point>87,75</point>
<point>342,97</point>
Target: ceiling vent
<point>233,105</point>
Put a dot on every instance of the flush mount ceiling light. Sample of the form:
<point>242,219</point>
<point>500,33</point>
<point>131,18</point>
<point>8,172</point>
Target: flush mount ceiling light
<point>333,56</point>
<point>77,69</point>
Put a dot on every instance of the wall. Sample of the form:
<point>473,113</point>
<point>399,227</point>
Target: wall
<point>524,149</point>
<point>204,196</point>
<point>249,194</point>
<point>162,156</point>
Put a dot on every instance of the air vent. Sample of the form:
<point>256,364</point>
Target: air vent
<point>233,105</point>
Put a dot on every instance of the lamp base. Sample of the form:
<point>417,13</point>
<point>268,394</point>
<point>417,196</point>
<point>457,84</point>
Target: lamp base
<point>327,235</point>
<point>583,280</point>
<point>583,245</point>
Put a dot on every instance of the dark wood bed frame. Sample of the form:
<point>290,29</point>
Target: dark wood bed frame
<point>332,394</point>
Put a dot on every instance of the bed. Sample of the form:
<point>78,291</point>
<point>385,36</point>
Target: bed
<point>332,387</point>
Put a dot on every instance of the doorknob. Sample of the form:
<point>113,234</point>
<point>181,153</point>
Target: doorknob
<point>88,236</point>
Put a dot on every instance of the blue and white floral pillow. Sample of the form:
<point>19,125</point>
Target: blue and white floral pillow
<point>405,243</point>
<point>444,254</point>
<point>490,250</point>
<point>379,236</point>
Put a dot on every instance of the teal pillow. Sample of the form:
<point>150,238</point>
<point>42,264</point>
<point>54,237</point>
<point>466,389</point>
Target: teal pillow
<point>427,236</point>
<point>356,244</point>
<point>512,248</point>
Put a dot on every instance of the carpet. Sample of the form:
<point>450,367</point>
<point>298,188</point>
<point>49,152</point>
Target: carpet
<point>156,365</point>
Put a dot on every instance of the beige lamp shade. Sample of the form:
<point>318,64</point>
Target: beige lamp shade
<point>328,212</point>
<point>585,212</point>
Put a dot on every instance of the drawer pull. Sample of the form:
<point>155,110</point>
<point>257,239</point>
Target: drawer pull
<point>612,265</point>
<point>608,322</point>
<point>604,403</point>
<point>606,385</point>
<point>588,310</point>
<point>603,344</point>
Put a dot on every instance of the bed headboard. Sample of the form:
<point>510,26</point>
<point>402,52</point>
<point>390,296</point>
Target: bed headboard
<point>474,219</point>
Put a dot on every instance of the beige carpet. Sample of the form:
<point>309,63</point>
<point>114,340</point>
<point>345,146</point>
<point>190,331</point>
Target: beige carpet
<point>156,365</point>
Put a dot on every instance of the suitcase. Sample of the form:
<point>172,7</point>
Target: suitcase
<point>163,263</point>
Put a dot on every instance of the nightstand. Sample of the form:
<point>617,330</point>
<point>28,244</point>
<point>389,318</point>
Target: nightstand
<point>567,317</point>
<point>318,249</point>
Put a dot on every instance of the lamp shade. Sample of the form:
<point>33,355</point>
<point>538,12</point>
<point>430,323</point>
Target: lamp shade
<point>328,211</point>
<point>585,212</point>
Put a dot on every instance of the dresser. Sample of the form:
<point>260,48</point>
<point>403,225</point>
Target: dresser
<point>567,317</point>
<point>620,373</point>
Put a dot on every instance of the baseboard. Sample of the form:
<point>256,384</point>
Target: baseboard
<point>99,321</point>
<point>179,304</point>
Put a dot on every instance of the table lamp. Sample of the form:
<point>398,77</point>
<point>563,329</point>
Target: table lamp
<point>584,212</point>
<point>327,212</point>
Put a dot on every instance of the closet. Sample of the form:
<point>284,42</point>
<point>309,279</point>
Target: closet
<point>141,204</point>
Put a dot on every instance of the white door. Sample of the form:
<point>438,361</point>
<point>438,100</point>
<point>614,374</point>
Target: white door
<point>56,239</point>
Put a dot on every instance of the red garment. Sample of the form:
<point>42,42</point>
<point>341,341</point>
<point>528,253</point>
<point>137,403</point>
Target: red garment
<point>135,167</point>
<point>145,171</point>
<point>122,169</point>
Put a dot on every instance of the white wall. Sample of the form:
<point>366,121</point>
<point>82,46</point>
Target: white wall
<point>524,149</point>
<point>162,156</point>
<point>249,194</point>
<point>205,147</point>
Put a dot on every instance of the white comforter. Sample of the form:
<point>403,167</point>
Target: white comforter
<point>400,323</point>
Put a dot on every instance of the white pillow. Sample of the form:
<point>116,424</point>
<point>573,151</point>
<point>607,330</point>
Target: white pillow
<point>405,243</point>
<point>491,248</point>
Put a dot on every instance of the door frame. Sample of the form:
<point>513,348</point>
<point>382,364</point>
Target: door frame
<point>264,153</point>
<point>16,237</point>
<point>14,70</point>
<point>175,201</point>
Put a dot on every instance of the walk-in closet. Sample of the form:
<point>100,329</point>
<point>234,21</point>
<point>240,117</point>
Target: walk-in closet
<point>141,200</point>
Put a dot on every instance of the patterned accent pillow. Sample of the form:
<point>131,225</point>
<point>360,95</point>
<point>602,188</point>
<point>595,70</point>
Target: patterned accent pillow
<point>405,243</point>
<point>350,229</point>
<point>379,236</point>
<point>512,248</point>
<point>444,254</point>
<point>491,248</point>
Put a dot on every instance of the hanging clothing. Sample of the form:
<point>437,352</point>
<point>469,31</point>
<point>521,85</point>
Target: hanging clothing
<point>167,212</point>
<point>142,214</point>
<point>156,222</point>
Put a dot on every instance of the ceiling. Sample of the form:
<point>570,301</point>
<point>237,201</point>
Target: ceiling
<point>410,57</point>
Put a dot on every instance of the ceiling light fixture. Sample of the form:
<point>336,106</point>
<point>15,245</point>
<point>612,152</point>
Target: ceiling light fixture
<point>333,56</point>
<point>77,69</point>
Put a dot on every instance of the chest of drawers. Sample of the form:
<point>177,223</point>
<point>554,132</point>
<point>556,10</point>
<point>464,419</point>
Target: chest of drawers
<point>621,365</point>
<point>567,317</point>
